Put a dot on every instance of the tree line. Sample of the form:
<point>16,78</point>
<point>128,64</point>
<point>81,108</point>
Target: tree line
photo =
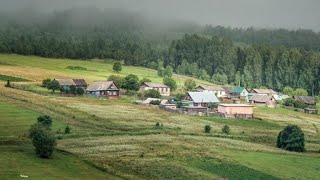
<point>251,66</point>
<point>209,53</point>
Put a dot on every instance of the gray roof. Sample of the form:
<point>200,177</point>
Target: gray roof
<point>66,82</point>
<point>102,86</point>
<point>210,88</point>
<point>260,98</point>
<point>155,85</point>
<point>306,99</point>
<point>203,97</point>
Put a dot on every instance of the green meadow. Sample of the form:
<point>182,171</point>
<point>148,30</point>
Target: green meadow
<point>118,139</point>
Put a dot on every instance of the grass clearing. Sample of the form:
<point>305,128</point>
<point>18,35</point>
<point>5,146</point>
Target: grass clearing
<point>21,160</point>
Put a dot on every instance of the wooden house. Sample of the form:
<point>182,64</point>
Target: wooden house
<point>308,100</point>
<point>65,84</point>
<point>268,92</point>
<point>263,100</point>
<point>202,99</point>
<point>239,92</point>
<point>103,88</point>
<point>236,110</point>
<point>164,90</point>
<point>80,83</point>
<point>217,91</point>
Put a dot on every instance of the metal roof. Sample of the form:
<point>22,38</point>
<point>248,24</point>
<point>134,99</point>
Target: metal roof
<point>101,86</point>
<point>203,97</point>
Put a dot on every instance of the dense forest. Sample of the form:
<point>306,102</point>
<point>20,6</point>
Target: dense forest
<point>270,58</point>
<point>306,39</point>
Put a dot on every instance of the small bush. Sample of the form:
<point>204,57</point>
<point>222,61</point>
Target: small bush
<point>67,130</point>
<point>131,93</point>
<point>226,129</point>
<point>213,105</point>
<point>151,93</point>
<point>291,138</point>
<point>117,67</point>
<point>298,104</point>
<point>155,102</point>
<point>158,125</point>
<point>73,89</point>
<point>8,84</point>
<point>46,82</point>
<point>45,121</point>
<point>289,102</point>
<point>80,91</point>
<point>190,85</point>
<point>76,68</point>
<point>207,128</point>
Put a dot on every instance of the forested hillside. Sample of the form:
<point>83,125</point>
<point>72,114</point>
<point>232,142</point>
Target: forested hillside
<point>272,58</point>
<point>301,38</point>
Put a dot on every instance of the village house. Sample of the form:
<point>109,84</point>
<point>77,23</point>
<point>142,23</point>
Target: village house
<point>103,88</point>
<point>164,90</point>
<point>202,99</point>
<point>239,92</point>
<point>307,100</point>
<point>218,91</point>
<point>263,100</point>
<point>236,111</point>
<point>80,83</point>
<point>65,84</point>
<point>268,92</point>
<point>280,97</point>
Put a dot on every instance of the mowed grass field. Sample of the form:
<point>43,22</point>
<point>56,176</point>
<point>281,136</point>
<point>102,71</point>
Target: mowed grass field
<point>118,139</point>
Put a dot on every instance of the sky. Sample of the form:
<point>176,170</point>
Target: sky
<point>289,14</point>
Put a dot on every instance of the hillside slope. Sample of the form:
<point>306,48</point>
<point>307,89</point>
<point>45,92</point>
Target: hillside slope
<point>121,139</point>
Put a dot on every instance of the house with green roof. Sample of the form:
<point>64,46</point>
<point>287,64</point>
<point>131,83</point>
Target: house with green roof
<point>239,92</point>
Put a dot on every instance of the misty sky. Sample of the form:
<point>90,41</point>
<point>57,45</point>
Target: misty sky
<point>291,14</point>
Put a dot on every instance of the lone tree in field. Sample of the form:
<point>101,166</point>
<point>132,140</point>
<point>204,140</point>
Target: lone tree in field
<point>291,138</point>
<point>43,139</point>
<point>117,67</point>
<point>54,85</point>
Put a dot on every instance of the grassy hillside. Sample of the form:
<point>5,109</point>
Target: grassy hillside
<point>37,68</point>
<point>121,139</point>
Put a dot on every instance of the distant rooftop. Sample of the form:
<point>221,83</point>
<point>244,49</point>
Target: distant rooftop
<point>203,97</point>
<point>235,105</point>
<point>155,85</point>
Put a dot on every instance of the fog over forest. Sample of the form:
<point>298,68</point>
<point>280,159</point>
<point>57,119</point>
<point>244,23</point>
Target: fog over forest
<point>290,14</point>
